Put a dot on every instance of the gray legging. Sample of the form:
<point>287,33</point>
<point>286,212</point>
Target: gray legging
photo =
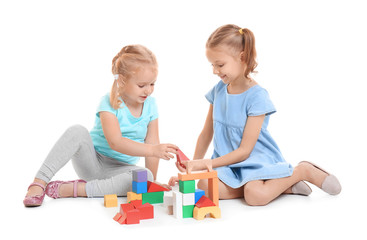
<point>104,175</point>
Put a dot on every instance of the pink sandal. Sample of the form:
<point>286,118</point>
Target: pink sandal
<point>34,201</point>
<point>53,188</point>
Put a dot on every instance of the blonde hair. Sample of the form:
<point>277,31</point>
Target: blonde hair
<point>127,62</point>
<point>238,39</point>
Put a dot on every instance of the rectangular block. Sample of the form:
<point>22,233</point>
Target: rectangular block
<point>187,211</point>
<point>153,197</point>
<point>198,194</point>
<point>146,211</point>
<point>140,175</point>
<point>177,204</point>
<point>187,186</point>
<point>140,187</point>
<point>196,176</point>
<point>110,200</point>
<point>131,196</point>
<point>213,186</point>
<point>188,199</point>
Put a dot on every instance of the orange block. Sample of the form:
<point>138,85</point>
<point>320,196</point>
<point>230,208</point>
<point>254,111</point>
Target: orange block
<point>213,187</point>
<point>199,213</point>
<point>110,200</point>
<point>204,202</point>
<point>197,175</point>
<point>153,187</point>
<point>134,196</point>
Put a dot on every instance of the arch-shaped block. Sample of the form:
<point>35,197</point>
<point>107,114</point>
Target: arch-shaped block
<point>199,213</point>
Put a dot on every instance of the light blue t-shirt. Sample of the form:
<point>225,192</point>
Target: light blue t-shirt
<point>230,112</point>
<point>131,127</point>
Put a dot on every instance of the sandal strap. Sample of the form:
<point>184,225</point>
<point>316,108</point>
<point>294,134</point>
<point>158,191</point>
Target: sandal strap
<point>37,184</point>
<point>75,186</point>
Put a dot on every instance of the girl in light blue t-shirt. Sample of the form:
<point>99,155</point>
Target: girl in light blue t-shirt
<point>246,157</point>
<point>126,128</point>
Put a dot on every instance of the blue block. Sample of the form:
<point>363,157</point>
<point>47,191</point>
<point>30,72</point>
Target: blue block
<point>140,175</point>
<point>198,194</point>
<point>140,187</point>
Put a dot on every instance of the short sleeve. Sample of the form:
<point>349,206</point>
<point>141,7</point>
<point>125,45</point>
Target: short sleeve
<point>153,109</point>
<point>260,104</point>
<point>210,95</point>
<point>105,105</point>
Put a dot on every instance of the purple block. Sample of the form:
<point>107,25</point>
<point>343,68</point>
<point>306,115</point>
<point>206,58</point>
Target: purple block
<point>140,175</point>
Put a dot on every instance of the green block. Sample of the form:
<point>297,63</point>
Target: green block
<point>187,211</point>
<point>187,186</point>
<point>152,197</point>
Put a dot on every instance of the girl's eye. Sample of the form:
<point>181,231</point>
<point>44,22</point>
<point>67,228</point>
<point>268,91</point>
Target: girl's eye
<point>141,86</point>
<point>220,65</point>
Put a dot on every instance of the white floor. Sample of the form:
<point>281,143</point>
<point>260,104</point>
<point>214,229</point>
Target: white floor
<point>288,217</point>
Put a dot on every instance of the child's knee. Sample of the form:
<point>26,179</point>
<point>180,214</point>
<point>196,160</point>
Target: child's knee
<point>203,185</point>
<point>255,196</point>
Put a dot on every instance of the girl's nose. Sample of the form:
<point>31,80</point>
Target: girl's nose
<point>215,71</point>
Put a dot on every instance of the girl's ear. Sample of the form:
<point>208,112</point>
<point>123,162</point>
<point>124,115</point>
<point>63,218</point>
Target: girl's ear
<point>242,56</point>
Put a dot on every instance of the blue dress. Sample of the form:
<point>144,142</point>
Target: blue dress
<point>230,112</point>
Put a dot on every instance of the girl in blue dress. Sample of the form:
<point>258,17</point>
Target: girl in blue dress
<point>247,159</point>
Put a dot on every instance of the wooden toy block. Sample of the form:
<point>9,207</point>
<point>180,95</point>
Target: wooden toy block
<point>122,220</point>
<point>133,217</point>
<point>110,200</point>
<point>117,217</point>
<point>197,175</point>
<point>187,186</point>
<point>181,157</point>
<point>140,187</point>
<point>198,194</point>
<point>188,199</point>
<point>146,211</point>
<point>200,213</point>
<point>187,211</point>
<point>206,162</point>
<point>131,196</point>
<point>153,187</point>
<point>213,186</point>
<point>153,197</point>
<point>140,175</point>
<point>177,204</point>
<point>136,203</point>
<point>204,202</point>
<point>125,207</point>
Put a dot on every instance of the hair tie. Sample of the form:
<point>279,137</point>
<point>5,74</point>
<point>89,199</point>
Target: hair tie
<point>116,76</point>
<point>240,31</point>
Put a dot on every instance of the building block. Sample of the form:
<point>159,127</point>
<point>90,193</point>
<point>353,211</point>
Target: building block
<point>133,217</point>
<point>187,211</point>
<point>213,186</point>
<point>198,194</point>
<point>197,175</point>
<point>153,197</point>
<point>136,203</point>
<point>110,200</point>
<point>177,204</point>
<point>125,207</point>
<point>131,196</point>
<point>188,199</point>
<point>181,157</point>
<point>146,211</point>
<point>140,187</point>
<point>153,187</point>
<point>117,217</point>
<point>200,213</point>
<point>140,175</point>
<point>187,186</point>
<point>204,202</point>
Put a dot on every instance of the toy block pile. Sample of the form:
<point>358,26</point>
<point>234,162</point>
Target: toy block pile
<point>133,212</point>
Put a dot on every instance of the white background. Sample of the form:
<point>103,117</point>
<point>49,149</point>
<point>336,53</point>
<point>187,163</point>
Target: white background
<point>55,61</point>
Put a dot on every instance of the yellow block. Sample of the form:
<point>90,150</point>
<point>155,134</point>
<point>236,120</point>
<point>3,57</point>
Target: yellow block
<point>110,200</point>
<point>199,213</point>
<point>131,196</point>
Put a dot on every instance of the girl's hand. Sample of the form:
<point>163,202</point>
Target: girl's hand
<point>172,181</point>
<point>179,167</point>
<point>163,151</point>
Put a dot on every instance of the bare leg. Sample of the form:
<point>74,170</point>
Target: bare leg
<point>259,193</point>
<point>36,190</point>
<point>67,190</point>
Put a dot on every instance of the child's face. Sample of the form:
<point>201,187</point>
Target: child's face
<point>226,65</point>
<point>139,86</point>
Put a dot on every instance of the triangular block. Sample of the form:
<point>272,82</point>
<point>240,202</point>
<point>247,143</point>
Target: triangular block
<point>204,202</point>
<point>153,187</point>
<point>181,157</point>
<point>136,203</point>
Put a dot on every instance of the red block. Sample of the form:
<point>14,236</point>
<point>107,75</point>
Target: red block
<point>146,211</point>
<point>181,157</point>
<point>117,217</point>
<point>133,217</point>
<point>204,202</point>
<point>125,207</point>
<point>153,187</point>
<point>136,203</point>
